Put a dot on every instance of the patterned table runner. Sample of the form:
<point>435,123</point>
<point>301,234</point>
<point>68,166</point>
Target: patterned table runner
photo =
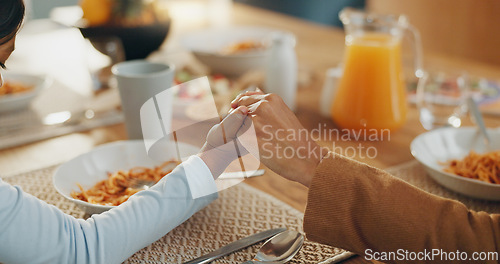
<point>239,212</point>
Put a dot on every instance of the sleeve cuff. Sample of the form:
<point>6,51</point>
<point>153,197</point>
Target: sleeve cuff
<point>200,180</point>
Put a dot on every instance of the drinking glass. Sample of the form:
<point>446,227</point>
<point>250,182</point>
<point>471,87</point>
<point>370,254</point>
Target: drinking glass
<point>442,99</point>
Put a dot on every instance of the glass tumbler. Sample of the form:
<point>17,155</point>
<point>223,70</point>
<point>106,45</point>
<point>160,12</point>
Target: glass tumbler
<point>442,99</point>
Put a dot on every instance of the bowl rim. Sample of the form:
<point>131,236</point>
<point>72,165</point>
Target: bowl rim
<point>114,144</point>
<point>255,54</point>
<point>207,53</point>
<point>77,201</point>
<point>82,24</point>
<point>415,154</point>
<point>43,82</point>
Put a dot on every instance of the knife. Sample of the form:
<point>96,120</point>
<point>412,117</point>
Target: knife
<point>241,174</point>
<point>236,245</point>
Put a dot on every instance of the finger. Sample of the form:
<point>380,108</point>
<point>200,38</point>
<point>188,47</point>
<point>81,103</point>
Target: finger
<point>247,93</point>
<point>234,103</point>
<point>247,123</point>
<point>249,100</point>
<point>252,109</point>
<point>232,123</point>
<point>246,139</point>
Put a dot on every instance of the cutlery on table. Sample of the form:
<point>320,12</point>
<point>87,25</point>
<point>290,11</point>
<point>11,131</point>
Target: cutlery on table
<point>235,246</point>
<point>241,174</point>
<point>76,117</point>
<point>280,248</point>
<point>62,118</point>
<point>146,184</point>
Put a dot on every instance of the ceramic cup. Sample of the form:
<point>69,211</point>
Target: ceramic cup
<point>139,83</point>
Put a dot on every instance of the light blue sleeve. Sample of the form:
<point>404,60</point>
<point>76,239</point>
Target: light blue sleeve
<point>31,231</point>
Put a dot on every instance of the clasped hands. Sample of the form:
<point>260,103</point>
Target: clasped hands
<point>252,126</point>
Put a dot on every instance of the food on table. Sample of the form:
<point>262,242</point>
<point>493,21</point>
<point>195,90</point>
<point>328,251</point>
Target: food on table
<point>14,88</point>
<point>96,12</point>
<point>243,46</point>
<point>483,167</point>
<point>127,13</point>
<point>119,186</point>
<point>219,84</point>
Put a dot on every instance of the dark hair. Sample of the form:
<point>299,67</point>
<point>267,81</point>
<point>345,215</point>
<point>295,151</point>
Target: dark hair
<point>11,18</point>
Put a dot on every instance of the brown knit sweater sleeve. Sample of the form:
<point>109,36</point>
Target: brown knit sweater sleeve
<point>364,210</point>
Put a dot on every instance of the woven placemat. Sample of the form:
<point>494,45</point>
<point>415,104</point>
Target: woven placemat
<point>414,173</point>
<point>240,211</point>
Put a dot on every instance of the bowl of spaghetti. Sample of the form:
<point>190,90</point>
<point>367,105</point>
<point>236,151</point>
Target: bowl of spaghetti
<point>230,51</point>
<point>19,90</point>
<point>108,175</point>
<point>458,159</point>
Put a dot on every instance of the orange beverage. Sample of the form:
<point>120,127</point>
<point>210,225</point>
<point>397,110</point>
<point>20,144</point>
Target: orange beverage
<point>371,93</point>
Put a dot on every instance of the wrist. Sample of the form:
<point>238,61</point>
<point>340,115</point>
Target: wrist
<point>217,158</point>
<point>312,163</point>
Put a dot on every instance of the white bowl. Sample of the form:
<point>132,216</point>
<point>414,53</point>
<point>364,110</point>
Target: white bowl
<point>434,148</point>
<point>92,167</point>
<point>15,102</point>
<point>206,45</point>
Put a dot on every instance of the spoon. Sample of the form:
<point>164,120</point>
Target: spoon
<point>280,248</point>
<point>478,119</point>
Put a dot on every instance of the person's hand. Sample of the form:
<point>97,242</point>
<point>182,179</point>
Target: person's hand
<point>219,149</point>
<point>285,146</point>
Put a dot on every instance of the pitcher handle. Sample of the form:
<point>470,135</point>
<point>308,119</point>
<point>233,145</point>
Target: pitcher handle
<point>417,51</point>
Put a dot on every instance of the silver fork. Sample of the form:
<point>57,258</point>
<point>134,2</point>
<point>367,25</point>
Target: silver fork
<point>141,184</point>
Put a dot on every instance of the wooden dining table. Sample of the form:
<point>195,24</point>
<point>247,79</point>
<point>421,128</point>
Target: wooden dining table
<point>318,48</point>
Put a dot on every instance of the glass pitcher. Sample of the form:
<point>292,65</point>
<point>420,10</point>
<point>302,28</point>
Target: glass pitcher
<point>371,93</point>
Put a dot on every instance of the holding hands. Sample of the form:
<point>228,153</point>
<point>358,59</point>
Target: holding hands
<point>282,143</point>
<point>220,148</point>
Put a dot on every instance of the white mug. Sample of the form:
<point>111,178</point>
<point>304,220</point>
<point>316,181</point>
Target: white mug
<point>140,81</point>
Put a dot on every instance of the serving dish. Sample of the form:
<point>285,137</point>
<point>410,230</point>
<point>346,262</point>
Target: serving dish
<point>434,148</point>
<point>208,46</point>
<point>138,42</point>
<point>15,102</point>
<point>91,167</point>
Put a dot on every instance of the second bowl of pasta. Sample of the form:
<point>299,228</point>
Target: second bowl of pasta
<point>459,159</point>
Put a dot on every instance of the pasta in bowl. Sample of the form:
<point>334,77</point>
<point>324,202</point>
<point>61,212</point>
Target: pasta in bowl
<point>230,51</point>
<point>458,159</point>
<point>20,89</point>
<point>122,184</point>
<point>99,180</point>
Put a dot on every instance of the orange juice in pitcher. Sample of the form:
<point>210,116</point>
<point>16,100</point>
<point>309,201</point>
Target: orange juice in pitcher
<point>371,94</point>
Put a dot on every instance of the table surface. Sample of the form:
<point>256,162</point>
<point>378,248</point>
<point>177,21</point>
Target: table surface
<point>318,48</point>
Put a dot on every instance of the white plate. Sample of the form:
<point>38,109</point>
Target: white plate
<point>207,45</point>
<point>436,147</point>
<point>21,101</point>
<point>90,168</point>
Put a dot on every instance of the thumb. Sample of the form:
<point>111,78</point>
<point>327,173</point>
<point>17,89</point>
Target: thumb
<point>234,121</point>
